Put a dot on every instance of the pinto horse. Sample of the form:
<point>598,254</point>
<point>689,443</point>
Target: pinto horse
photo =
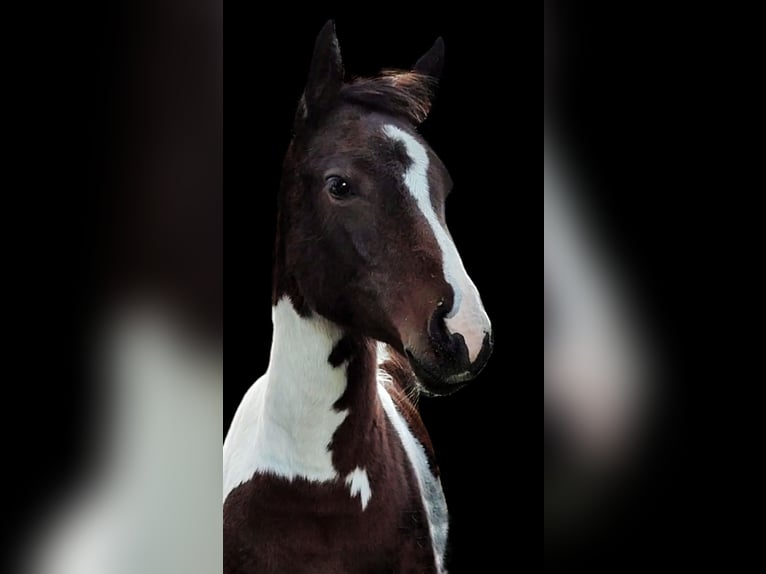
<point>327,465</point>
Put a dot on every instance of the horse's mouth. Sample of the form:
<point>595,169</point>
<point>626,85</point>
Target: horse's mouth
<point>437,380</point>
<point>432,382</point>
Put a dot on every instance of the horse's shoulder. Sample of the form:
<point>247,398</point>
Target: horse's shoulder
<point>400,382</point>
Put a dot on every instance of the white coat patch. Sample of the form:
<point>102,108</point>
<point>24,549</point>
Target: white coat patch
<point>286,420</point>
<point>358,483</point>
<point>430,486</point>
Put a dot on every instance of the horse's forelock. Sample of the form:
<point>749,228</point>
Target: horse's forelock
<point>403,93</point>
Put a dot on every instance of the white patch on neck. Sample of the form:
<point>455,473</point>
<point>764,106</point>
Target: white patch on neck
<point>286,421</point>
<point>382,353</point>
<point>467,315</point>
<point>358,483</point>
<point>431,492</point>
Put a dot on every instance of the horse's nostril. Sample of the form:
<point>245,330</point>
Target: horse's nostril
<point>448,348</point>
<point>436,326</point>
<point>444,344</point>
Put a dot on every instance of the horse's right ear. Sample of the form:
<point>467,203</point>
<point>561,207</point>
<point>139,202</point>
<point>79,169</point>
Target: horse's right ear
<point>325,74</point>
<point>431,63</point>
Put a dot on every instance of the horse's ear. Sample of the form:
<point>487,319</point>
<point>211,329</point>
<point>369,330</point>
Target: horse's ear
<point>325,74</point>
<point>432,62</point>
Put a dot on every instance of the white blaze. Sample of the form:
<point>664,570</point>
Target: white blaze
<point>467,316</point>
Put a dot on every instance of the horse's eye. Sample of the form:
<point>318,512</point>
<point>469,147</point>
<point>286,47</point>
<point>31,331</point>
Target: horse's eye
<point>338,187</point>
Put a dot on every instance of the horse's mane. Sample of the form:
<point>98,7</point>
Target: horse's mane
<point>397,92</point>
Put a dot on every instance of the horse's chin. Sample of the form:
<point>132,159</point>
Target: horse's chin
<point>433,381</point>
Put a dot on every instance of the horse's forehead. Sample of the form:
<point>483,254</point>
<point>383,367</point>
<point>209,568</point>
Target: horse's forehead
<point>355,137</point>
<point>361,130</point>
<point>364,137</point>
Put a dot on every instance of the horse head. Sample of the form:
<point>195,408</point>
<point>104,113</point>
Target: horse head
<point>362,237</point>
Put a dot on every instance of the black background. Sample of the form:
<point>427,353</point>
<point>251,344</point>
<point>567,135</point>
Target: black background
<point>640,92</point>
<point>636,102</point>
<point>630,92</point>
<point>610,102</point>
<point>474,127</point>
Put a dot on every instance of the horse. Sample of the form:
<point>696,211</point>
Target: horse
<point>327,464</point>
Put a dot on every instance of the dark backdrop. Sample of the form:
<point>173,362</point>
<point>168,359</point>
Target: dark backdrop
<point>637,90</point>
<point>612,92</point>
<point>634,104</point>
<point>475,128</point>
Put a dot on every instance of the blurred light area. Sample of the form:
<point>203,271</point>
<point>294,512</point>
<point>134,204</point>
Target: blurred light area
<point>147,499</point>
<point>600,396</point>
<point>146,506</point>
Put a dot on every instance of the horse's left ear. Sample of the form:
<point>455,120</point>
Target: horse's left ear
<point>325,73</point>
<point>432,62</point>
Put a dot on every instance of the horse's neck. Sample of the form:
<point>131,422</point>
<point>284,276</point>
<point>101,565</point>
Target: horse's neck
<point>320,386</point>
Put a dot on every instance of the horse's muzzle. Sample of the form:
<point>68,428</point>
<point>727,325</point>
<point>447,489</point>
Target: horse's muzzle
<point>447,368</point>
